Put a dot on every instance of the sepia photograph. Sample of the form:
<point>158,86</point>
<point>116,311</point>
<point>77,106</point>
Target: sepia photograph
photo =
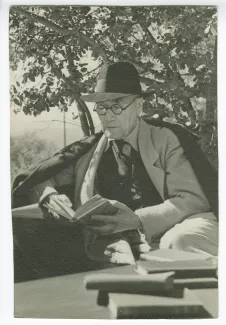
<point>114,161</point>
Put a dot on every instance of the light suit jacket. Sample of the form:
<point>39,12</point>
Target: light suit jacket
<point>167,166</point>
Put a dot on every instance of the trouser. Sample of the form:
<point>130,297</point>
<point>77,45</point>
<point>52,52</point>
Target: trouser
<point>198,233</point>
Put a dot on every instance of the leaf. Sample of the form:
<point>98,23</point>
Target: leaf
<point>49,61</point>
<point>25,78</point>
<point>206,31</point>
<point>182,65</point>
<point>62,100</point>
<point>151,96</point>
<point>50,83</point>
<point>16,101</point>
<point>14,90</point>
<point>38,106</point>
<point>213,31</point>
<point>75,74</point>
<point>21,97</point>
<point>31,77</point>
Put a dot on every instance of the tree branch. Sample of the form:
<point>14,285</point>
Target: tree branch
<point>67,32</point>
<point>83,119</point>
<point>89,72</point>
<point>88,115</point>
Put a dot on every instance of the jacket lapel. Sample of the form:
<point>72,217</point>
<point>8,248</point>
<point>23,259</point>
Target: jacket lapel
<point>85,172</point>
<point>150,157</point>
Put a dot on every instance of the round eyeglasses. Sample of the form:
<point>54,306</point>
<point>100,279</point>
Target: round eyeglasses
<point>116,108</point>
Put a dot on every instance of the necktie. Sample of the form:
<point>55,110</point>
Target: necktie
<point>122,153</point>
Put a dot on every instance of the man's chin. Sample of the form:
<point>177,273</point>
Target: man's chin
<point>112,133</point>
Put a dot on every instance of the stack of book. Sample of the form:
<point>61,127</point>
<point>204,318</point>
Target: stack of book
<point>158,286</point>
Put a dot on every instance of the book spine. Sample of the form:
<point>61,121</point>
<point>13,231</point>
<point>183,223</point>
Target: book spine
<point>156,312</point>
<point>133,283</point>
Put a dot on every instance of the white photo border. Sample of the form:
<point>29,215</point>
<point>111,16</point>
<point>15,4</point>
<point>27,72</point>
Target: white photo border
<point>6,246</point>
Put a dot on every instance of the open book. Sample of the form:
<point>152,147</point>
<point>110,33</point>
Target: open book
<point>34,211</point>
<point>96,205</point>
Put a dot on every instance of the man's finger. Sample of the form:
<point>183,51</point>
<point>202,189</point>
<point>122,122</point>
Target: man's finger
<point>95,229</point>
<point>120,205</point>
<point>53,215</point>
<point>107,252</point>
<point>120,246</point>
<point>119,258</point>
<point>141,248</point>
<point>63,198</point>
<point>103,218</point>
<point>56,215</point>
<point>101,230</point>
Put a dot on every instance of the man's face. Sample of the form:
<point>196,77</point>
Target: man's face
<point>120,126</point>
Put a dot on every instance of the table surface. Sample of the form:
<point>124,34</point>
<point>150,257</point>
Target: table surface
<point>66,297</point>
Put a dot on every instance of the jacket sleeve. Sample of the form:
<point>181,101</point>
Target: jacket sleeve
<point>183,194</point>
<point>42,190</point>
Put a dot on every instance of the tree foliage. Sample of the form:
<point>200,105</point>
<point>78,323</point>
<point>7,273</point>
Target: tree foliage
<point>27,149</point>
<point>173,48</point>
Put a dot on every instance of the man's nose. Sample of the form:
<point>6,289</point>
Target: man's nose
<point>109,116</point>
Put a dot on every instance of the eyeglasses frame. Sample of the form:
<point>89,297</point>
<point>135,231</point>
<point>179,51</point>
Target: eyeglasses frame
<point>122,108</point>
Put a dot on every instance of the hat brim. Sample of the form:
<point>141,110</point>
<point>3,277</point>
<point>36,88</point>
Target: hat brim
<point>101,97</point>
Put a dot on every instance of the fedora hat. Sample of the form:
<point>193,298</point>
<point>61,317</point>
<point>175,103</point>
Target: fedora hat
<point>117,80</point>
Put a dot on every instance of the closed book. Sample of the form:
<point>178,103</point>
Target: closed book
<point>32,211</point>
<point>171,255</point>
<point>138,306</point>
<point>196,283</point>
<point>130,283</point>
<point>182,268</point>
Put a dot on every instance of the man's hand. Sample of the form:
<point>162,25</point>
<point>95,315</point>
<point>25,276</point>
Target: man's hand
<point>125,250</point>
<point>61,197</point>
<point>124,219</point>
<point>119,252</point>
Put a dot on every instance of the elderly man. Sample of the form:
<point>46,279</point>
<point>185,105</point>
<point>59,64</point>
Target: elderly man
<point>142,169</point>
